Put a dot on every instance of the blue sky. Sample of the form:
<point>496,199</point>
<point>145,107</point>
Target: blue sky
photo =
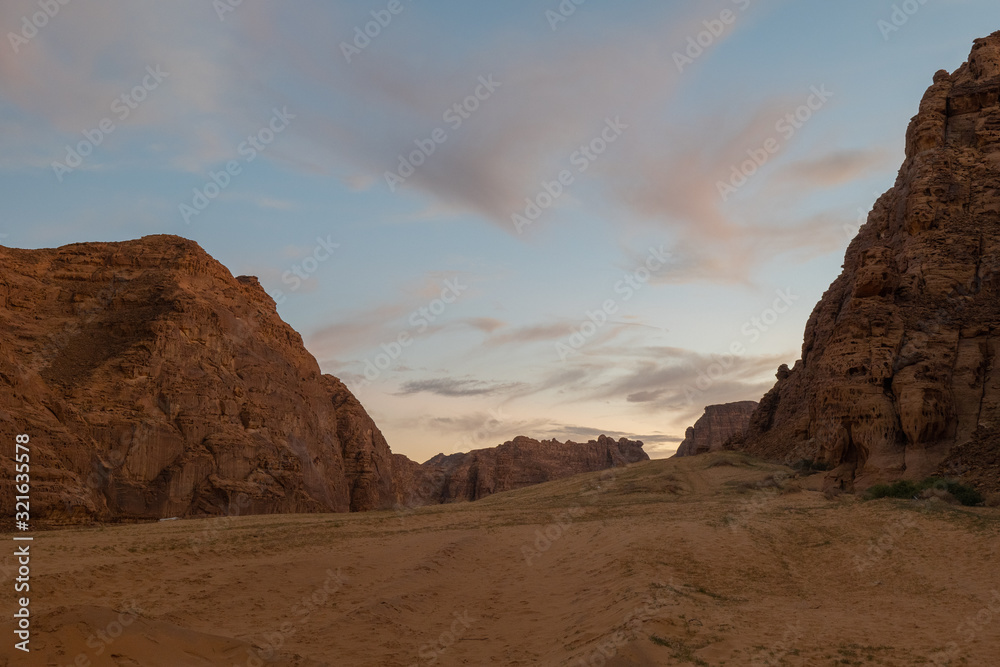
<point>506,344</point>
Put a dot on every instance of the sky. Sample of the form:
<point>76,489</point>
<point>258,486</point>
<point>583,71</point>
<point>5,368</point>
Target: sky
<point>542,218</point>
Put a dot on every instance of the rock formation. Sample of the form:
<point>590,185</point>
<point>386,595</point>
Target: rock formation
<point>515,464</point>
<point>715,427</point>
<point>155,384</point>
<point>899,366</point>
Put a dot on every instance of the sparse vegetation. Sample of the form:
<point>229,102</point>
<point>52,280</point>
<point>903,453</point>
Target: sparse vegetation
<point>810,466</point>
<point>906,489</point>
<point>681,651</point>
<point>730,459</point>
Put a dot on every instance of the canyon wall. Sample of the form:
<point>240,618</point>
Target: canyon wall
<point>899,366</point>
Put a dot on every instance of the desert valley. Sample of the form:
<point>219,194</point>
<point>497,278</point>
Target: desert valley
<point>203,492</point>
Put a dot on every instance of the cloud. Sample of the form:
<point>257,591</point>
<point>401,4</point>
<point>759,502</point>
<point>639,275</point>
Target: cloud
<point>684,385</point>
<point>484,324</point>
<point>458,388</point>
<point>65,80</point>
<point>355,120</point>
<point>538,333</point>
<point>833,169</point>
<point>367,329</point>
<point>554,97</point>
<point>361,330</point>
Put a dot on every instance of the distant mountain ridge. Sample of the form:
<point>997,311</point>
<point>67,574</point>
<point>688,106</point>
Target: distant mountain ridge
<point>513,465</point>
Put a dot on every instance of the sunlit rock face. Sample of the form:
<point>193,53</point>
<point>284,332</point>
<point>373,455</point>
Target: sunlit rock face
<point>155,384</point>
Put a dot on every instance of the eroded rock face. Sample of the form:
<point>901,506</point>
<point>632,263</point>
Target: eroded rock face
<point>900,360</point>
<point>715,427</point>
<point>155,384</point>
<point>515,464</point>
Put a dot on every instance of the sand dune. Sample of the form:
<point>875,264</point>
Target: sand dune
<point>687,561</point>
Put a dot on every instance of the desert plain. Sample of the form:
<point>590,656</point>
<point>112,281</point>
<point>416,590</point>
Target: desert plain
<point>710,560</point>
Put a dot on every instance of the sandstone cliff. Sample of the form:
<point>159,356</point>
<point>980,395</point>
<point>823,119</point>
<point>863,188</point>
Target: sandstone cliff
<point>715,427</point>
<point>154,384</point>
<point>515,464</point>
<point>899,364</point>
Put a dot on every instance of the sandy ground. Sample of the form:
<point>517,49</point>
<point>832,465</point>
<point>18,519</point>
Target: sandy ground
<point>662,563</point>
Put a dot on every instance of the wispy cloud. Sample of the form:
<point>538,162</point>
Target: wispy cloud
<point>458,387</point>
<point>833,169</point>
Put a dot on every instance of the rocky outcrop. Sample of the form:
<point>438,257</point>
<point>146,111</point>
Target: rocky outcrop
<point>155,384</point>
<point>715,427</point>
<point>899,364</point>
<point>515,464</point>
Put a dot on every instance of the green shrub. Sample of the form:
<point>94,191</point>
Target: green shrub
<point>898,489</point>
<point>809,465</point>
<point>906,489</point>
<point>966,495</point>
